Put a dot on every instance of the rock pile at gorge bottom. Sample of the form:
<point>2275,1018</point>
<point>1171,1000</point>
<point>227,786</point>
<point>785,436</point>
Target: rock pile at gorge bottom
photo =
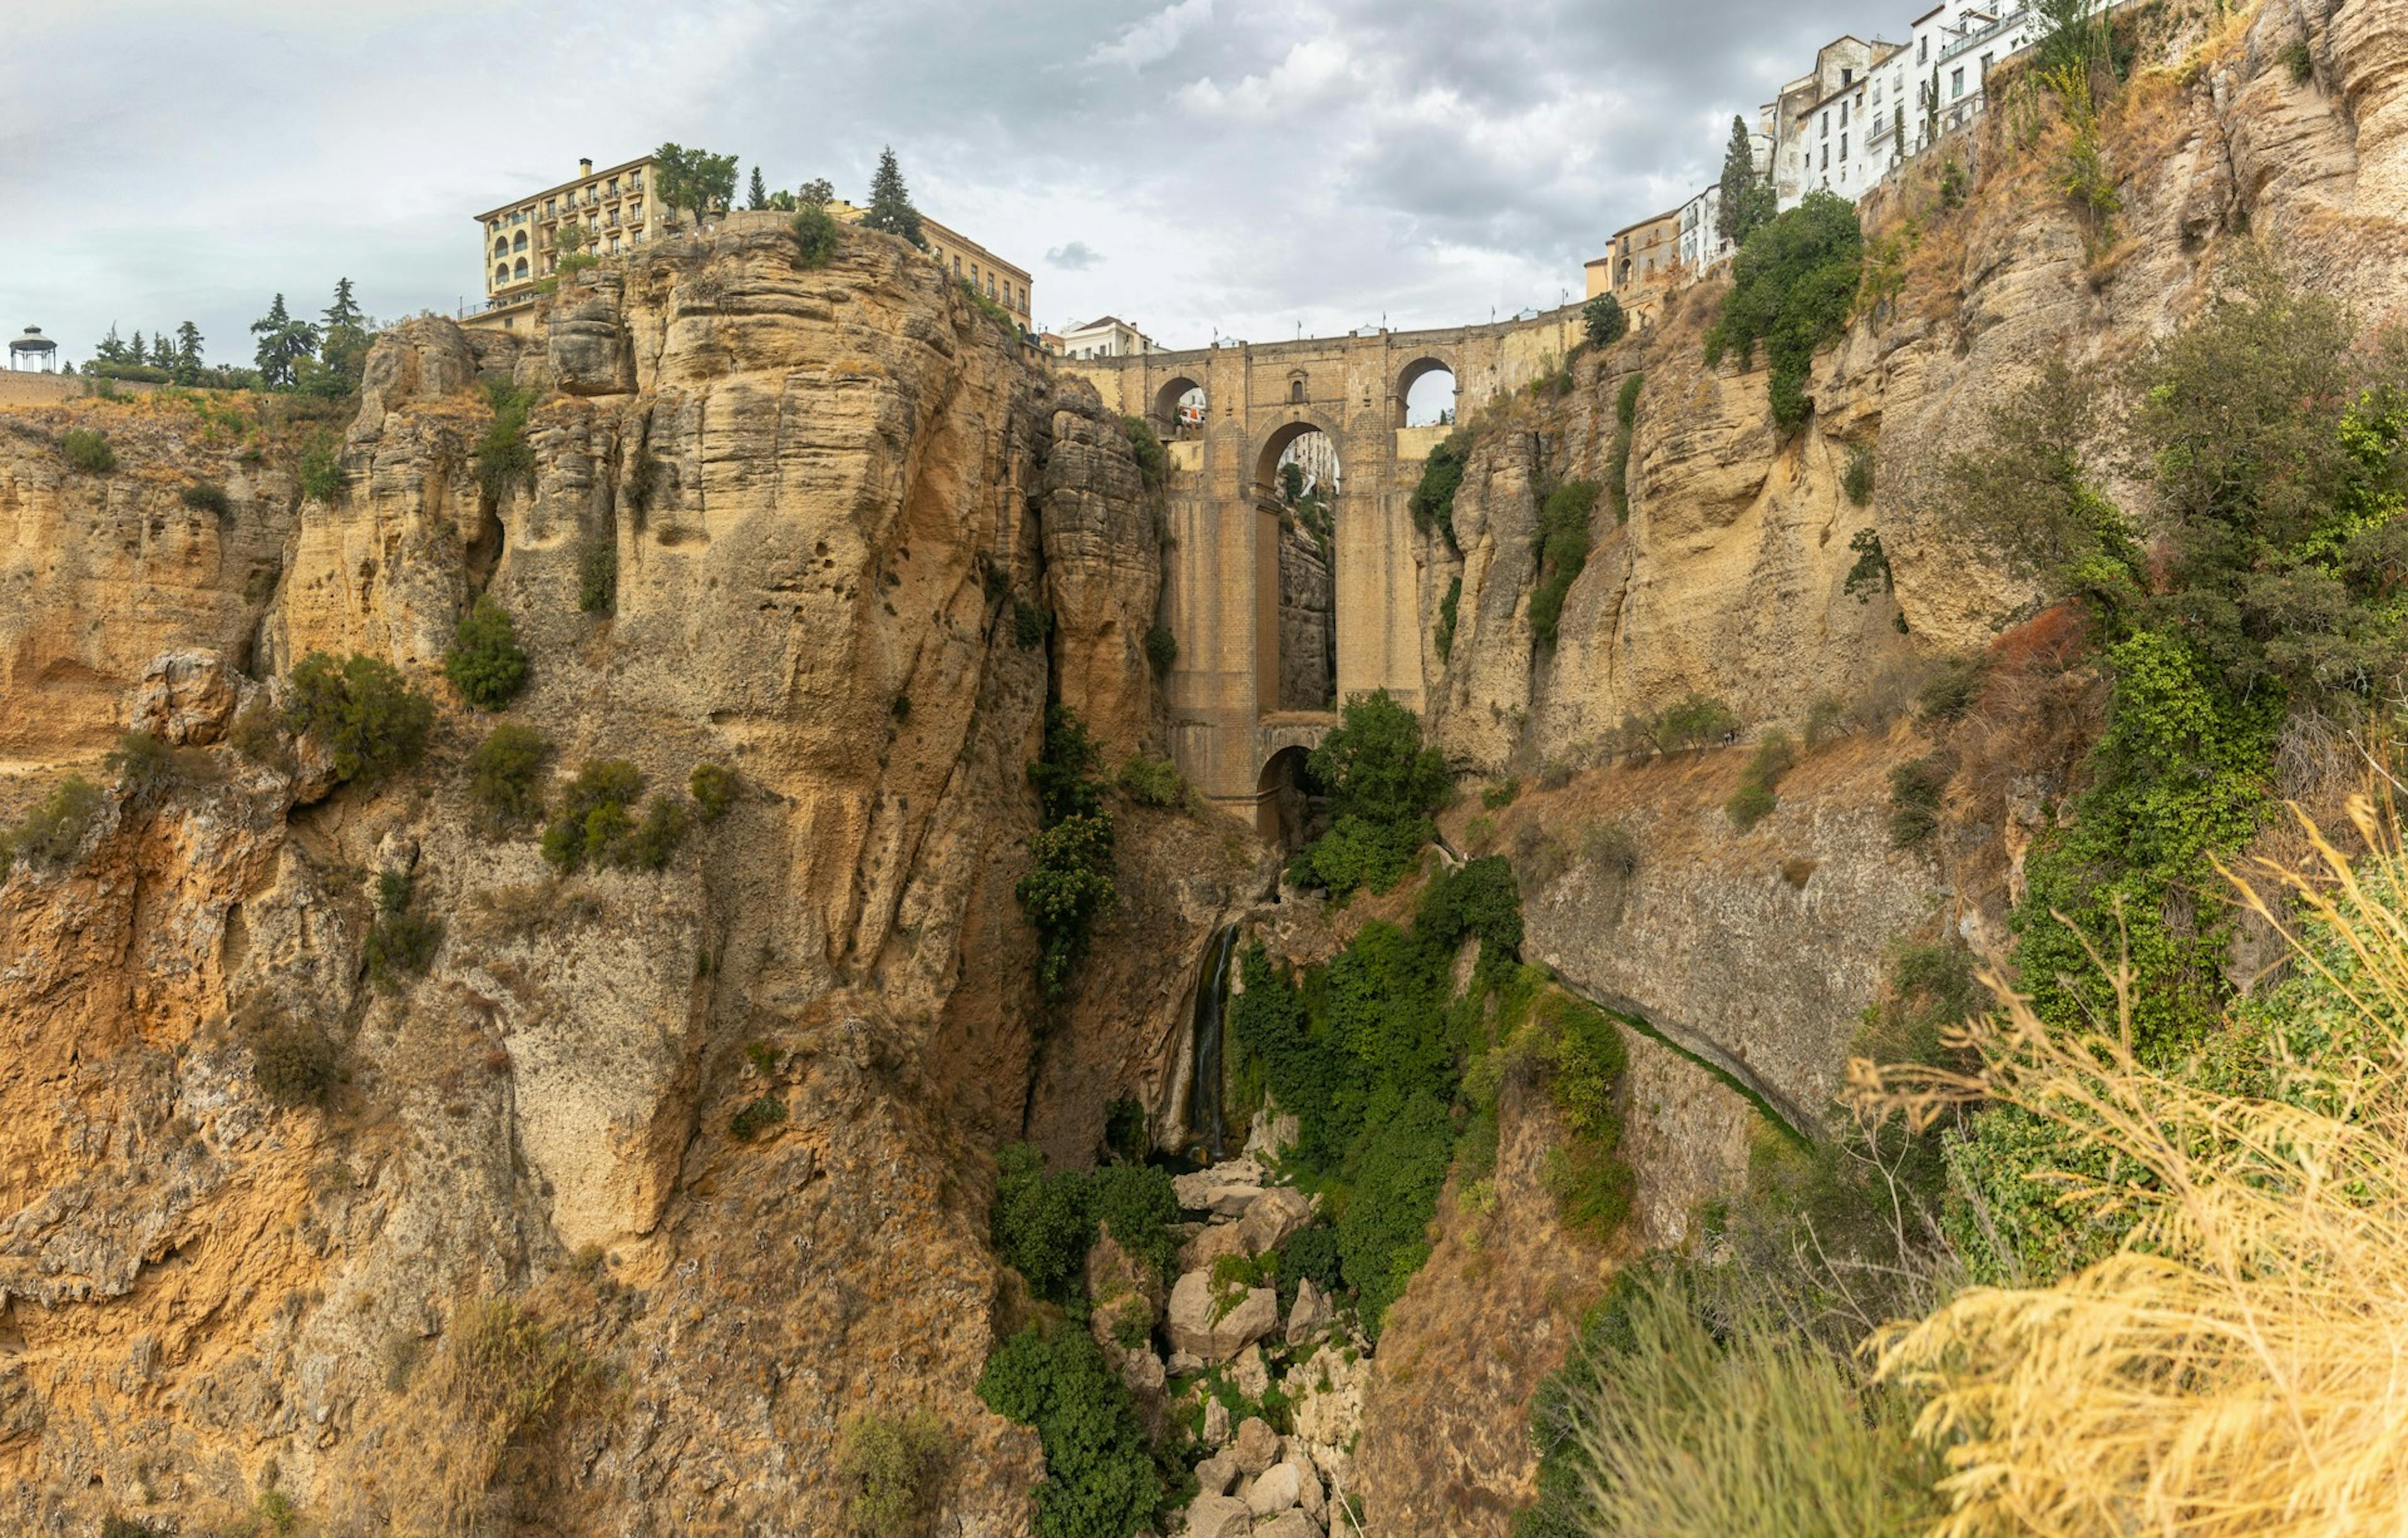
<point>824,490</point>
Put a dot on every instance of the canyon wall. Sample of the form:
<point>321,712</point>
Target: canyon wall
<point>768,517</point>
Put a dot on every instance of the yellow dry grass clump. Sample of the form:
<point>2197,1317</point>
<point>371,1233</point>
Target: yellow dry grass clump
<point>2241,1366</point>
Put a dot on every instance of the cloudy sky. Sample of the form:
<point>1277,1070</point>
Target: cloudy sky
<point>1244,166</point>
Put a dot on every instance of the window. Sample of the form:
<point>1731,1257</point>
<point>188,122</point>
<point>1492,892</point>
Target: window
<point>957,264</point>
<point>1827,157</point>
<point>492,227</point>
<point>551,207</point>
<point>1955,82</point>
<point>519,244</point>
<point>990,285</point>
<point>501,244</point>
<point>1296,392</point>
<point>1847,79</point>
<point>614,186</point>
<point>1843,148</point>
<point>614,245</point>
<point>1986,67</point>
<point>1923,50</point>
<point>502,273</point>
<point>1843,114</point>
<point>1826,123</point>
<point>522,269</point>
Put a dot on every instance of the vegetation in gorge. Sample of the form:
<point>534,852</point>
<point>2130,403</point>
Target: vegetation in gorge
<point>1383,787</point>
<point>1602,321</point>
<point>503,457</point>
<point>592,822</point>
<point>1104,1477</point>
<point>1432,503</point>
<point>484,661</point>
<point>403,940</point>
<point>1793,287</point>
<point>891,1469</point>
<point>53,829</point>
<point>361,711</point>
<point>1754,799</point>
<point>1070,878</point>
<point>1562,540</point>
<point>1625,421</point>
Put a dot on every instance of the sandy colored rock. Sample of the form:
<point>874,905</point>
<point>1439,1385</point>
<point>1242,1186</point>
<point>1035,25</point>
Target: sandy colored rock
<point>1273,1490</point>
<point>1289,1524</point>
<point>1211,1242</point>
<point>1217,1473</point>
<point>1256,1447</point>
<point>1250,1373</point>
<point>1310,1312</point>
<point>1195,1324</point>
<point>1218,1517</point>
<point>1271,1217</point>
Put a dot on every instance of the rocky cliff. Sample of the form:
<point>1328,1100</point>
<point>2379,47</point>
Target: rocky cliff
<point>1729,580</point>
<point>777,519</point>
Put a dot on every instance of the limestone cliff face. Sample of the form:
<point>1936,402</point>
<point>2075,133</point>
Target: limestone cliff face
<point>1727,578</point>
<point>820,493</point>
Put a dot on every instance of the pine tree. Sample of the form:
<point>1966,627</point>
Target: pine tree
<point>758,197</point>
<point>138,351</point>
<point>283,343</point>
<point>111,347</point>
<point>890,202</point>
<point>1748,200</point>
<point>163,351</point>
<point>344,348</point>
<point>188,345</point>
<point>344,314</point>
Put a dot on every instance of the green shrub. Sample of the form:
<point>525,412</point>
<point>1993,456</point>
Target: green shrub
<point>1602,321</point>
<point>817,236</point>
<point>361,711</point>
<point>756,1116</point>
<point>1100,1479</point>
<point>1154,782</point>
<point>1696,722</point>
<point>2300,60</point>
<point>1433,500</point>
<point>125,1527</point>
<point>652,841</point>
<point>1952,689</point>
<point>290,1058</point>
<point>1069,879</point>
<point>590,819</point>
<point>890,1471</point>
<point>484,661</point>
<point>713,788</point>
<point>507,777</point>
<point>1447,608</point>
<point>1496,798</point>
<point>1792,285</point>
<point>208,497</point>
<point>1042,1224</point>
<point>1826,718</point>
<point>1870,574</point>
<point>402,942</point>
<point>321,472</point>
<point>1914,791</point>
<point>1617,470</point>
<point>503,457</point>
<point>88,450</point>
<point>141,763</point>
<point>52,831</point>
<point>1857,479</point>
<point>1153,459</point>
<point>1563,548</point>
<point>597,577</point>
<point>1381,1238</point>
<point>1137,1206</point>
<point>1754,799</point>
<point>1477,898</point>
<point>258,733</point>
<point>1383,787</point>
<point>1030,625</point>
<point>1626,401</point>
<point>1161,648</point>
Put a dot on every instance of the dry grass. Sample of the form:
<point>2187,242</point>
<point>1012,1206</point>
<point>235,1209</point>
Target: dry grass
<point>2241,1366</point>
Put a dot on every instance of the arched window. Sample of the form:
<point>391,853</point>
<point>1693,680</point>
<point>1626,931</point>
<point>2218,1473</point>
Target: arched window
<point>1296,392</point>
<point>502,246</point>
<point>519,244</point>
<point>502,273</point>
<point>522,269</point>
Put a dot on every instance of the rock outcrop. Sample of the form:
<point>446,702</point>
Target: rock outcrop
<point>779,518</point>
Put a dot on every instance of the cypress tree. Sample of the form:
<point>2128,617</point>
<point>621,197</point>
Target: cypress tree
<point>890,202</point>
<point>758,197</point>
<point>1748,200</point>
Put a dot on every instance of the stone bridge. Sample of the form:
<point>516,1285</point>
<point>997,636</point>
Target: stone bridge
<point>1223,590</point>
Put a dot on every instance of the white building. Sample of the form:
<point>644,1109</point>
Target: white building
<point>1702,246</point>
<point>1104,337</point>
<point>1802,158</point>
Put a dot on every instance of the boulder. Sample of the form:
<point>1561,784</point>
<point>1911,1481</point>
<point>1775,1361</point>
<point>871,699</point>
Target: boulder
<point>1216,1473</point>
<point>1144,1373</point>
<point>1185,1362</point>
<point>1309,1496</point>
<point>1123,1289</point>
<point>1273,1490</point>
<point>1309,1314</point>
<point>1219,1516</point>
<point>1251,1373</point>
<point>1196,1324</point>
<point>1256,1447</point>
<point>1216,1424</point>
<point>1272,1216</point>
<point>1224,1191</point>
<point>1211,1242</point>
<point>1288,1524</point>
<point>185,698</point>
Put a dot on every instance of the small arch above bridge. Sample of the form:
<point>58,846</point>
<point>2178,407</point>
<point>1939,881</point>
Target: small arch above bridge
<point>1277,443</point>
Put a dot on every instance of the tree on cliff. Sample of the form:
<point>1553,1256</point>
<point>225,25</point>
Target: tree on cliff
<point>757,196</point>
<point>890,202</point>
<point>1748,200</point>
<point>188,345</point>
<point>343,348</point>
<point>695,179</point>
<point>283,343</point>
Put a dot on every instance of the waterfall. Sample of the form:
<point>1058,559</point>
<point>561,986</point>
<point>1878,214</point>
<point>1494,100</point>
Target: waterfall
<point>1204,1086</point>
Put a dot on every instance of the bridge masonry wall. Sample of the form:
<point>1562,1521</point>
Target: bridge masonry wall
<point>1222,588</point>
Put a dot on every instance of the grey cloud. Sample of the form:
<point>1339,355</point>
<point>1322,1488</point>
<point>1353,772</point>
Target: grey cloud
<point>1074,257</point>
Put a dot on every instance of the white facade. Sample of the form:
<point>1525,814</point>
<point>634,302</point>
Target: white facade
<point>1104,337</point>
<point>1702,247</point>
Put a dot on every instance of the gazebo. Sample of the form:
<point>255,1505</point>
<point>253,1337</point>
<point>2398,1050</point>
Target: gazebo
<point>33,346</point>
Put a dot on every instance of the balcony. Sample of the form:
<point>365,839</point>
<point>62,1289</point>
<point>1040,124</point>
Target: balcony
<point>1975,40</point>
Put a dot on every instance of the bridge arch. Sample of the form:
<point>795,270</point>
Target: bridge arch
<point>1276,441</point>
<point>1414,373</point>
<point>1282,795</point>
<point>1165,411</point>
